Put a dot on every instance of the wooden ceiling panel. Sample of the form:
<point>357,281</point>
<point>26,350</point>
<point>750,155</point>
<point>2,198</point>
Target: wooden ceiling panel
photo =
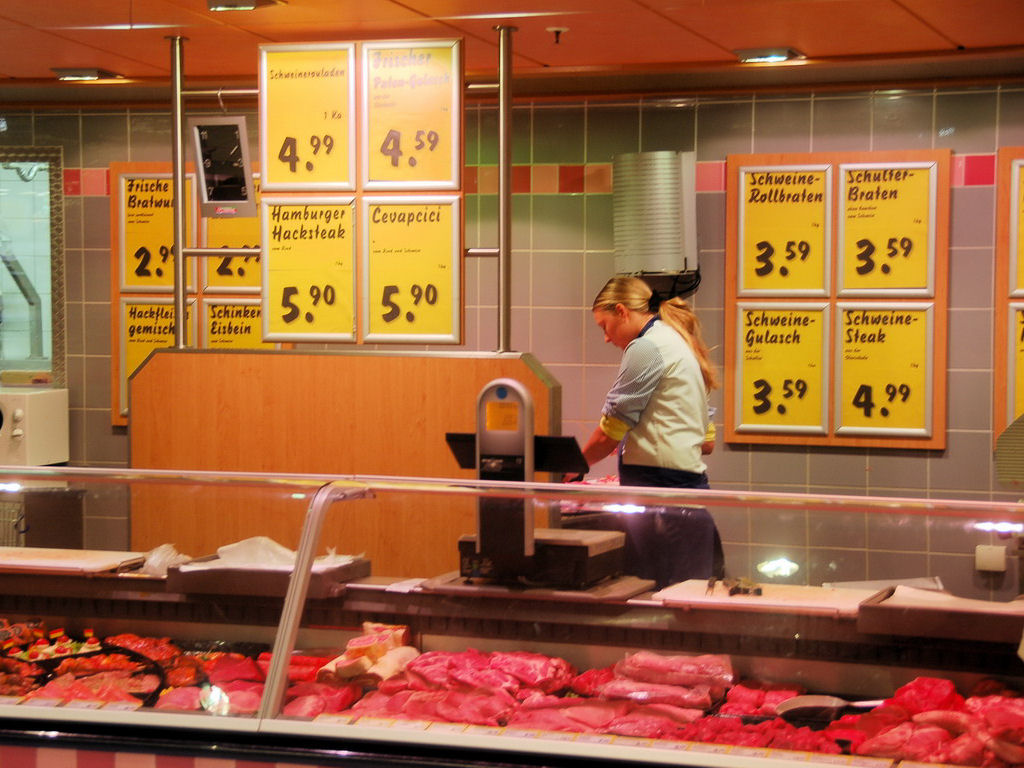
<point>972,24</point>
<point>817,28</point>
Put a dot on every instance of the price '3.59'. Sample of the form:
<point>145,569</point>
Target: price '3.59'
<point>763,390</point>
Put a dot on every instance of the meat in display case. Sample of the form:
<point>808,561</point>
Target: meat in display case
<point>286,645</point>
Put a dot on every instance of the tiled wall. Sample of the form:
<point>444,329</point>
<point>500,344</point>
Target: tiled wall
<point>562,243</point>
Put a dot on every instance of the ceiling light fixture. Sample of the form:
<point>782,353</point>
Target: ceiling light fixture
<point>240,5</point>
<point>768,55</point>
<point>85,73</point>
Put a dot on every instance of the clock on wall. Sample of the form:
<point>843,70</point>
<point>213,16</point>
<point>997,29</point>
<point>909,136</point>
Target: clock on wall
<point>221,147</point>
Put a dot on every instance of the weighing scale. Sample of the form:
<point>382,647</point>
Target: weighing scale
<point>506,548</point>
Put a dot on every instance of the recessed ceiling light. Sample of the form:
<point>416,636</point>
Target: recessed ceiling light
<point>240,5</point>
<point>84,73</point>
<point>768,55</point>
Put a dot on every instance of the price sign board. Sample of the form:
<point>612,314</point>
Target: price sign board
<point>146,222</point>
<point>412,115</point>
<point>410,257</point>
<point>232,274</point>
<point>782,367</point>
<point>887,229</point>
<point>1015,400</point>
<point>885,356</point>
<point>308,254</point>
<point>146,324</point>
<point>785,230</point>
<point>1016,229</point>
<point>233,324</point>
<point>307,117</point>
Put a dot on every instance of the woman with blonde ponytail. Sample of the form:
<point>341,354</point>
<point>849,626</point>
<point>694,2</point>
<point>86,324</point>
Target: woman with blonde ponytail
<point>657,410</point>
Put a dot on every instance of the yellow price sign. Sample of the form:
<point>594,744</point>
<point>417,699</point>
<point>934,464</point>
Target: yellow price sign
<point>781,360</point>
<point>146,324</point>
<point>308,269</point>
<point>412,249</point>
<point>147,231</point>
<point>887,220</point>
<point>1017,226</point>
<point>307,116</point>
<point>412,114</point>
<point>233,273</point>
<point>1016,402</point>
<point>233,324</point>
<point>885,363</point>
<point>785,216</point>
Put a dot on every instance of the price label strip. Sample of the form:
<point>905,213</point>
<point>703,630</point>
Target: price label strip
<point>782,368</point>
<point>232,274</point>
<point>1016,229</point>
<point>785,230</point>
<point>1015,401</point>
<point>887,229</point>
<point>308,247</point>
<point>147,231</point>
<point>307,117</point>
<point>412,115</point>
<point>147,324</point>
<point>885,369</point>
<point>233,324</point>
<point>411,282</point>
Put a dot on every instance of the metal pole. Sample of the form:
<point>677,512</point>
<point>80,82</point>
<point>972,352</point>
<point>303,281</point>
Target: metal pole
<point>178,187</point>
<point>504,187</point>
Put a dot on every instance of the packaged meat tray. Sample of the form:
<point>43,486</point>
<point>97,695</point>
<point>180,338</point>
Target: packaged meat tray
<point>325,581</point>
<point>906,610</point>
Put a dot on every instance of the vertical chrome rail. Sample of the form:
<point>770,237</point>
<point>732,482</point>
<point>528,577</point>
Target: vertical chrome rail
<point>504,187</point>
<point>178,182</point>
<point>298,589</point>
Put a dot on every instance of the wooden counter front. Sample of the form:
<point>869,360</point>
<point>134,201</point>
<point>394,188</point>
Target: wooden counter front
<point>315,413</point>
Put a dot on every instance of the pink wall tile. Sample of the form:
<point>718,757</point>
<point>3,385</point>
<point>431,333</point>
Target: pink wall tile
<point>979,170</point>
<point>711,176</point>
<point>95,181</point>
<point>570,179</point>
<point>956,171</point>
<point>520,179</point>
<point>545,179</point>
<point>598,178</point>
<point>72,181</point>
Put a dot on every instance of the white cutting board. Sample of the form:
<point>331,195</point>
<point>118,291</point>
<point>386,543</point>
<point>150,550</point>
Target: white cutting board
<point>63,561</point>
<point>785,598</point>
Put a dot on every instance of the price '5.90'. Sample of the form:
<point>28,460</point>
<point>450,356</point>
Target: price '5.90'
<point>425,293</point>
<point>316,294</point>
<point>763,390</point>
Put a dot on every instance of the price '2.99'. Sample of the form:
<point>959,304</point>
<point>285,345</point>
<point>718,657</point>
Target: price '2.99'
<point>142,269</point>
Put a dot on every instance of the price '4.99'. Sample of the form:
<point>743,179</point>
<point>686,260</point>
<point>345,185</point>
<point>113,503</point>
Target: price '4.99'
<point>864,398</point>
<point>289,153</point>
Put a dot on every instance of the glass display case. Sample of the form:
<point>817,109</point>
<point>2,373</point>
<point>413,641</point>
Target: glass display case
<point>278,643</point>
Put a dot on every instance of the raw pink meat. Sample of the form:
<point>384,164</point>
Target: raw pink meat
<point>309,705</point>
<point>244,702</point>
<point>589,683</point>
<point>710,670</point>
<point>335,698</point>
<point>547,673</point>
<point>233,666</point>
<point>186,699</point>
<point>696,697</point>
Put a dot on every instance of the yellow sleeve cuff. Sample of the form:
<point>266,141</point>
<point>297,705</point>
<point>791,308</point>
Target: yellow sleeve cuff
<point>709,434</point>
<point>614,428</point>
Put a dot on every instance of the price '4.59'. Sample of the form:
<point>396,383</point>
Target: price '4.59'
<point>392,145</point>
